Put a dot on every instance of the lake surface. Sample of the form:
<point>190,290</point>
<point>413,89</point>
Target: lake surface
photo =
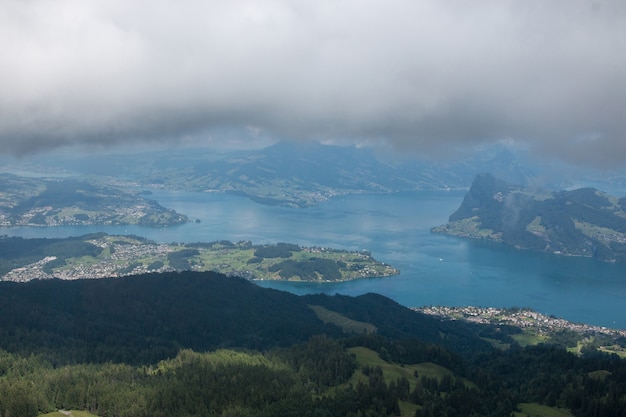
<point>435,270</point>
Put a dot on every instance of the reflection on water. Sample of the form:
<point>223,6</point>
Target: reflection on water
<point>396,228</point>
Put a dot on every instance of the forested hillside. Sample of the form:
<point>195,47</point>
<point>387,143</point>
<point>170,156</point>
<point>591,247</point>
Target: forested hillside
<point>146,318</point>
<point>27,201</point>
<point>202,344</point>
<point>581,222</point>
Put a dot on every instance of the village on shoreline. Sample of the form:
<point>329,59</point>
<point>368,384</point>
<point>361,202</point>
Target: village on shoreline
<point>524,318</point>
<point>100,255</point>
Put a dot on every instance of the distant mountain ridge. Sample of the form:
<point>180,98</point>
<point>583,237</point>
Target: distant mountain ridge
<point>305,174</point>
<point>293,173</point>
<point>582,222</point>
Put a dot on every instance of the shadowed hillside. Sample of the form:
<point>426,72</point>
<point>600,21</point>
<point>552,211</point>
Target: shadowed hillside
<point>203,344</point>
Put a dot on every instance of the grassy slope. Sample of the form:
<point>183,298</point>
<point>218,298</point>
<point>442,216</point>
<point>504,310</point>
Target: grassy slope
<point>392,371</point>
<point>346,324</point>
<point>529,339</point>
<point>538,410</point>
<point>70,413</point>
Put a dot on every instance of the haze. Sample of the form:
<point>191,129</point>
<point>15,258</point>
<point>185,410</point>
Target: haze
<point>424,76</point>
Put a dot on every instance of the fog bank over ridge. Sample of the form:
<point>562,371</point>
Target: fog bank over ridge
<point>420,77</point>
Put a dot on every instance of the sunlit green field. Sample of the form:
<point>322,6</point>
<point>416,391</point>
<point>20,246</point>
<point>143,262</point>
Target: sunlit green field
<point>529,339</point>
<point>348,325</point>
<point>392,371</point>
<point>71,413</point>
<point>538,410</point>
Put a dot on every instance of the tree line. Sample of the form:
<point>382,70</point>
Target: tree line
<point>202,344</point>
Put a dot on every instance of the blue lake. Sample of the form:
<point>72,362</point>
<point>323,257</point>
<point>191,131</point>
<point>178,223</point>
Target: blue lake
<point>435,270</point>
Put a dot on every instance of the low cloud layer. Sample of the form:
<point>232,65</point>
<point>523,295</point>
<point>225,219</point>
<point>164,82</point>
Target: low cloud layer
<point>418,75</point>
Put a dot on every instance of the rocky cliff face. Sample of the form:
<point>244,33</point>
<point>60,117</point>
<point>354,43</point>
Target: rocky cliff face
<point>582,222</point>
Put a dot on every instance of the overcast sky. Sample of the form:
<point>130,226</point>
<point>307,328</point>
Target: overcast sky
<point>420,75</point>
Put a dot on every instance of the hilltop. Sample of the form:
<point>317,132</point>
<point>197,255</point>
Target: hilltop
<point>582,222</point>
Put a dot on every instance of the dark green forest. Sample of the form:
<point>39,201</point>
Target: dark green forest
<point>16,252</point>
<point>202,344</point>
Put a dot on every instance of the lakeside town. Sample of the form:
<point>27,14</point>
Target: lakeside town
<point>523,318</point>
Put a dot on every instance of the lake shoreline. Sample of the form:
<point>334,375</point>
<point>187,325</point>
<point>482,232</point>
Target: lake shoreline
<point>395,228</point>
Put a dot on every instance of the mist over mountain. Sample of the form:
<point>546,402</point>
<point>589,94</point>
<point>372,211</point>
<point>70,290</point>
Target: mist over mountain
<point>298,174</point>
<point>105,102</point>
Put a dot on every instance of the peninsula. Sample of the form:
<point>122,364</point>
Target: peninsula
<point>101,255</point>
<point>26,201</point>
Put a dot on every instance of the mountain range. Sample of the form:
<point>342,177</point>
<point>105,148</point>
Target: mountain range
<point>298,174</point>
<point>288,173</point>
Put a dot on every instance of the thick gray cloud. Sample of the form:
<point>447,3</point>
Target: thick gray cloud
<point>419,75</point>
